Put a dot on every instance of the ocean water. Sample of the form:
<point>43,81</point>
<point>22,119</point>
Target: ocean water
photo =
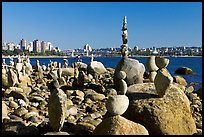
<point>195,63</point>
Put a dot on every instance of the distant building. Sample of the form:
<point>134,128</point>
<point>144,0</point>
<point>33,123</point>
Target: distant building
<point>49,46</point>
<point>10,46</point>
<point>155,51</point>
<point>43,46</point>
<point>87,49</point>
<point>30,47</point>
<point>36,46</point>
<point>23,44</point>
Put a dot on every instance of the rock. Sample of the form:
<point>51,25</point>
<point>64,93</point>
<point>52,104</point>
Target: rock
<point>161,62</point>
<point>20,111</point>
<point>17,93</point>
<point>96,67</point>
<point>110,92</point>
<point>57,133</point>
<point>199,92</point>
<point>24,79</point>
<point>4,111</point>
<point>150,64</point>
<point>122,87</point>
<point>184,70</point>
<point>162,81</point>
<point>12,78</point>
<point>121,75</point>
<point>133,69</point>
<point>13,104</point>
<point>118,125</point>
<point>57,107</point>
<point>180,80</point>
<point>152,76</point>
<point>170,115</point>
<point>66,72</point>
<point>82,128</point>
<point>117,105</point>
<point>96,96</point>
<point>82,66</point>
<point>190,89</point>
<point>19,66</point>
<point>53,75</point>
<point>78,93</point>
<point>72,110</point>
<point>17,128</point>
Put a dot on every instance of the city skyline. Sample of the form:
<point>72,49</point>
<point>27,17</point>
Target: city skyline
<point>71,25</point>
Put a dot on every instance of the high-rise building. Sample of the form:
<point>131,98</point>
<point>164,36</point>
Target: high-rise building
<point>30,47</point>
<point>23,44</point>
<point>43,46</point>
<point>49,46</point>
<point>36,46</point>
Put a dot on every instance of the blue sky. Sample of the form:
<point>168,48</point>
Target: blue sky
<point>71,25</point>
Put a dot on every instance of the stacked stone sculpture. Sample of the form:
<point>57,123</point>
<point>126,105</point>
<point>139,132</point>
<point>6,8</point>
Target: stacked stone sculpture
<point>152,68</point>
<point>124,47</point>
<point>118,104</point>
<point>133,68</point>
<point>57,106</point>
<point>163,78</point>
<point>65,63</point>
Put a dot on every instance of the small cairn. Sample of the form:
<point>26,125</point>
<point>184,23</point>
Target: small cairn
<point>152,68</point>
<point>57,106</point>
<point>65,63</point>
<point>163,78</point>
<point>116,105</point>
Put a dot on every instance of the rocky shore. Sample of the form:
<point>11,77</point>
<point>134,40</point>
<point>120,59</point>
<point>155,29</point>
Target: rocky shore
<point>89,99</point>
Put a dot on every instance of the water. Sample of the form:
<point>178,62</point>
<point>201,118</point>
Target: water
<point>195,63</point>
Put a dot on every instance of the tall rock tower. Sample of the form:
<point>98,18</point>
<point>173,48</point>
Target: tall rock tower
<point>124,47</point>
<point>133,68</point>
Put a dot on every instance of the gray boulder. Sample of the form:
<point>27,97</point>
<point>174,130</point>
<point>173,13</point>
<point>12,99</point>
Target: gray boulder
<point>96,67</point>
<point>133,69</point>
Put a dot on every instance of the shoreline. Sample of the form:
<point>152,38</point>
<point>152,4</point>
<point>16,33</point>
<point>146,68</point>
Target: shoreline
<point>94,56</point>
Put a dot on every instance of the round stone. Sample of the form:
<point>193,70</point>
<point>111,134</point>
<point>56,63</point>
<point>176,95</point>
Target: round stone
<point>117,105</point>
<point>121,75</point>
<point>161,62</point>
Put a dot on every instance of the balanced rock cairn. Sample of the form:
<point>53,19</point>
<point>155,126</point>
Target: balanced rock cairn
<point>132,67</point>
<point>124,47</point>
<point>118,104</point>
<point>152,68</point>
<point>57,106</point>
<point>163,78</point>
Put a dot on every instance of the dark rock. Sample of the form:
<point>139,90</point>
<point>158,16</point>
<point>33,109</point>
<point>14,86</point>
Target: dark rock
<point>17,128</point>
<point>184,70</point>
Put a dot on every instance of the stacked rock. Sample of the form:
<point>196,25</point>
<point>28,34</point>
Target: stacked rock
<point>163,78</point>
<point>152,68</point>
<point>116,105</point>
<point>124,47</point>
<point>132,67</point>
<point>57,106</point>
